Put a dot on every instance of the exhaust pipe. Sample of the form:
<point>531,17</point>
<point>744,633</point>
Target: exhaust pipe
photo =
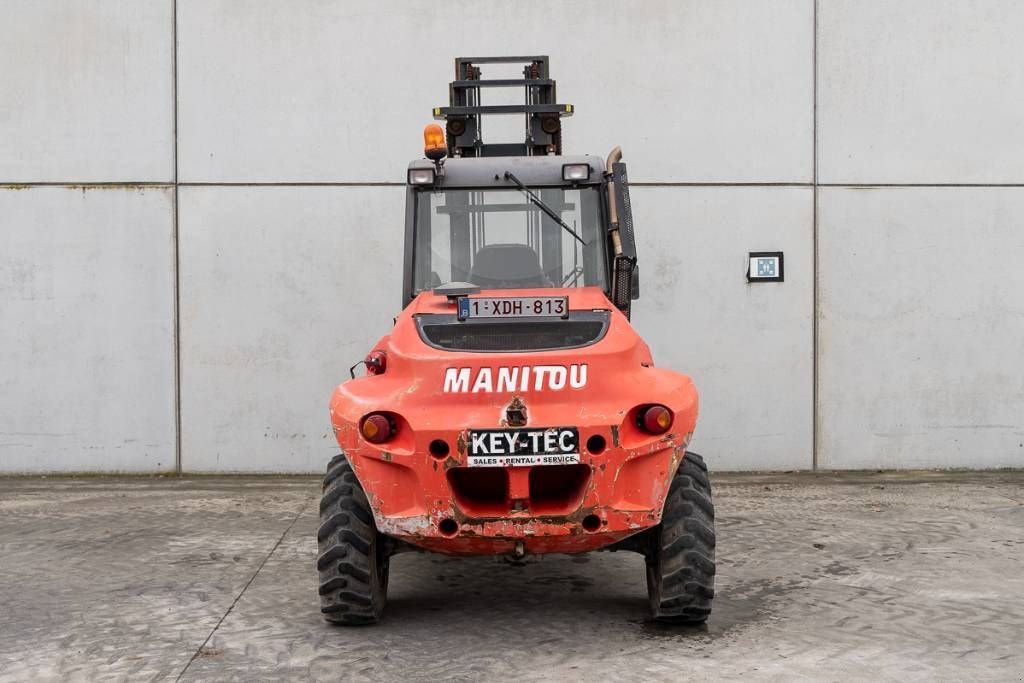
<point>613,213</point>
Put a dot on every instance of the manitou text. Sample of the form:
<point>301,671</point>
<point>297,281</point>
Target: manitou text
<point>523,378</point>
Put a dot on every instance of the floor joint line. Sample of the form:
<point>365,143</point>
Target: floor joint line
<point>248,583</point>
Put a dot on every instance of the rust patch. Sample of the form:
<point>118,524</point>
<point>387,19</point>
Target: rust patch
<point>524,517</point>
<point>615,435</point>
<point>405,526</point>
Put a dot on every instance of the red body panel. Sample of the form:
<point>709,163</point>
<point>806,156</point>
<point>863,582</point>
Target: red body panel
<point>623,487</point>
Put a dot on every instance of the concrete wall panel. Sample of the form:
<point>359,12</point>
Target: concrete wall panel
<point>87,91</point>
<point>87,332</point>
<point>701,90</point>
<point>282,289</point>
<point>920,91</point>
<point>921,328</point>
<point>278,300</point>
<point>748,347</point>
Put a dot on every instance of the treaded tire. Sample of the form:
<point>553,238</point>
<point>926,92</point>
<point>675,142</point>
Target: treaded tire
<point>681,554</point>
<point>352,565</point>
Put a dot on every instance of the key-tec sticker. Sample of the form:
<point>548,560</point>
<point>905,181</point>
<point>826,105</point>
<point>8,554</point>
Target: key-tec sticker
<point>523,447</point>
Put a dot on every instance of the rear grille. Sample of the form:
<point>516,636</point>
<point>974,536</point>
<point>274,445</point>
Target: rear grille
<point>557,489</point>
<point>484,491</point>
<point>480,491</point>
<point>446,332</point>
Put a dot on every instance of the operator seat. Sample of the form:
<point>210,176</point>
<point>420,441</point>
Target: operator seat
<point>507,266</point>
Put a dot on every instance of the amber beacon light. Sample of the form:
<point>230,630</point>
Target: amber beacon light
<point>433,142</point>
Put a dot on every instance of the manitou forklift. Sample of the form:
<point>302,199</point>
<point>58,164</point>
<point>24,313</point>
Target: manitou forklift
<point>513,410</point>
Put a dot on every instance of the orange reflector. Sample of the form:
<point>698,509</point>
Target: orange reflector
<point>656,419</point>
<point>376,428</point>
<point>433,142</point>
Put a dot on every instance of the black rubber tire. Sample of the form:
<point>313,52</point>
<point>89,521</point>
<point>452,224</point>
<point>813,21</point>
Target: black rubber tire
<point>351,562</point>
<point>681,553</point>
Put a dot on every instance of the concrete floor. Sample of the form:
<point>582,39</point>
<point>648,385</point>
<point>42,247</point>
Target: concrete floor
<point>889,576</point>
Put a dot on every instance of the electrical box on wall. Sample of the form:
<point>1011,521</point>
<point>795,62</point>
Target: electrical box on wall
<point>765,266</point>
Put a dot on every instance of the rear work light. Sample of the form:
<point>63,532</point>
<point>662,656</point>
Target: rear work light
<point>654,419</point>
<point>377,428</point>
<point>575,172</point>
<point>421,176</point>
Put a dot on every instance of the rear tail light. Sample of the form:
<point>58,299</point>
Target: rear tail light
<point>377,428</point>
<point>654,419</point>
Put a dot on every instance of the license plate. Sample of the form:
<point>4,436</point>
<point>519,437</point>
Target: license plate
<point>523,447</point>
<point>513,307</point>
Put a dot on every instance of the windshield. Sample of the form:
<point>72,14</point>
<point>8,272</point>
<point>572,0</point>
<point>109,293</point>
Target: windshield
<point>501,239</point>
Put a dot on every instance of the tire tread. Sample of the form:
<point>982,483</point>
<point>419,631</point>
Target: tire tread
<point>346,538</point>
<point>681,560</point>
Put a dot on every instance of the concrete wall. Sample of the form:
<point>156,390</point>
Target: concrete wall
<point>237,242</point>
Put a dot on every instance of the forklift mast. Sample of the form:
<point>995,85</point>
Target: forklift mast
<point>464,116</point>
<point>542,116</point>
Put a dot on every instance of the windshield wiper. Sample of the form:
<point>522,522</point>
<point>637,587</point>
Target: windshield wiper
<point>573,276</point>
<point>542,206</point>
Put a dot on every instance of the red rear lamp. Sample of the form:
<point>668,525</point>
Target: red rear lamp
<point>376,428</point>
<point>655,419</point>
<point>376,363</point>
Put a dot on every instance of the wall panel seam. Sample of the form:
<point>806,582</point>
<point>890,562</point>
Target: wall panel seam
<point>131,184</point>
<point>177,250</point>
<point>814,239</point>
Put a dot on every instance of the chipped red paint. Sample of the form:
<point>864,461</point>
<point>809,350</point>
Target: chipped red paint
<point>409,489</point>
